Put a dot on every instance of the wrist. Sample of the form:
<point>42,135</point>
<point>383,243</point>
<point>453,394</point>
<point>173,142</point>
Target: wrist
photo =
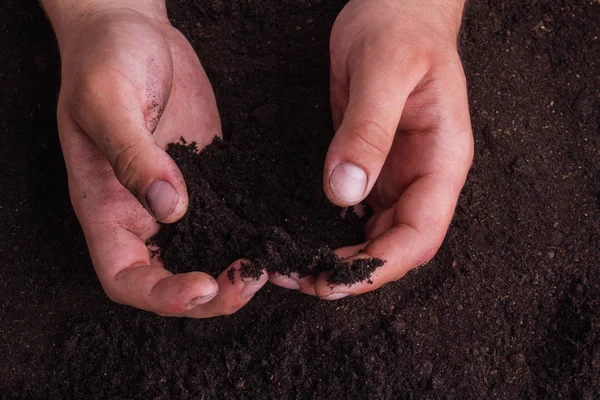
<point>67,16</point>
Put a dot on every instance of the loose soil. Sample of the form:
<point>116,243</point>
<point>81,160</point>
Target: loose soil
<point>509,308</point>
<point>246,204</point>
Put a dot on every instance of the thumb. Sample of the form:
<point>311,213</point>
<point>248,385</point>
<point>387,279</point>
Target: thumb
<point>124,136</point>
<point>377,92</point>
<point>150,174</point>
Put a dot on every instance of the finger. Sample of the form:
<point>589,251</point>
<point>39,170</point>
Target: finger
<point>128,276</point>
<point>378,224</point>
<point>349,251</point>
<point>377,93</point>
<point>233,294</point>
<point>285,281</point>
<point>305,284</point>
<point>419,223</point>
<point>120,121</point>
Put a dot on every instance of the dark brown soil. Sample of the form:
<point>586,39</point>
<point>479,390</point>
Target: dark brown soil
<point>509,308</point>
<point>253,203</point>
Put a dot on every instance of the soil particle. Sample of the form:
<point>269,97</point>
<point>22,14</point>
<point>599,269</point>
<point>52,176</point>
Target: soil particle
<point>537,318</point>
<point>230,217</point>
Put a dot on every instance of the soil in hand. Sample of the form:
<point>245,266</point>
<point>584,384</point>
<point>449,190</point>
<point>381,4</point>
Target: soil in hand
<point>508,309</point>
<point>243,206</point>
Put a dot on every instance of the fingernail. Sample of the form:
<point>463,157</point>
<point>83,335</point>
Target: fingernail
<point>250,289</point>
<point>348,182</point>
<point>161,198</point>
<point>335,296</point>
<point>286,282</point>
<point>201,300</point>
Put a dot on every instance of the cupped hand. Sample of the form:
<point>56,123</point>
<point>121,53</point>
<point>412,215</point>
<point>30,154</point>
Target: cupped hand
<point>403,139</point>
<point>131,84</point>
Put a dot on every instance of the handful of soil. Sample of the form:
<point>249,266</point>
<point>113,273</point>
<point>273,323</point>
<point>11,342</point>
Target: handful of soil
<point>245,205</point>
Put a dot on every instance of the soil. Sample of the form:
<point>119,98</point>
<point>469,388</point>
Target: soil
<point>509,308</point>
<point>274,214</point>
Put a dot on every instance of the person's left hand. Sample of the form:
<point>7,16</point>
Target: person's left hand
<point>403,135</point>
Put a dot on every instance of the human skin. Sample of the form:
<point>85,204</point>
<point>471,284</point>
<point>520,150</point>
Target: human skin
<point>403,139</point>
<point>131,83</point>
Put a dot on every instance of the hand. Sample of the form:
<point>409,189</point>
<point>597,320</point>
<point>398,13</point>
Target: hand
<point>131,83</point>
<point>403,135</point>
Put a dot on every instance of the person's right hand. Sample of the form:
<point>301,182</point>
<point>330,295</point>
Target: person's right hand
<point>131,84</point>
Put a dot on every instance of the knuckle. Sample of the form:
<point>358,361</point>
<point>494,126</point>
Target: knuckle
<point>126,166</point>
<point>374,137</point>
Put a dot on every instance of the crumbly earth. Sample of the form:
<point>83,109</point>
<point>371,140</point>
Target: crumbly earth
<point>508,309</point>
<point>242,207</point>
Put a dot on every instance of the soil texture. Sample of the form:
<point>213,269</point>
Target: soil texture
<point>508,309</point>
<point>246,204</point>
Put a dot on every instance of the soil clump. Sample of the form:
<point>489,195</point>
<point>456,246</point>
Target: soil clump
<point>243,207</point>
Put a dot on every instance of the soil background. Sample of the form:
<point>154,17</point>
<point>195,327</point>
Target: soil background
<point>509,308</point>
